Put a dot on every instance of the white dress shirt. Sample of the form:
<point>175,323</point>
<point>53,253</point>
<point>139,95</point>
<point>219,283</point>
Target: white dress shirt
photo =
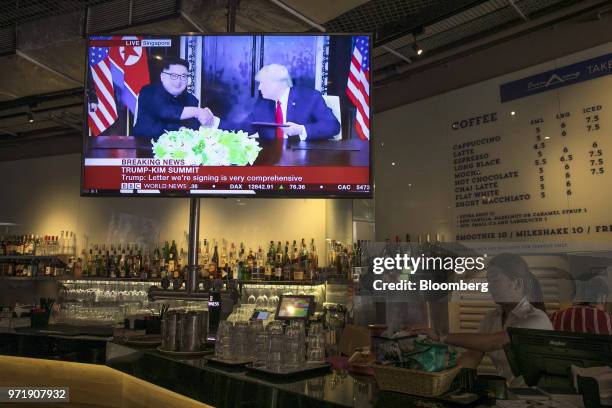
<point>524,315</point>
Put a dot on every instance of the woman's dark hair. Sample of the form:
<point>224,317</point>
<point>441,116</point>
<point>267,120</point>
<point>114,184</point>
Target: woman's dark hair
<point>515,268</point>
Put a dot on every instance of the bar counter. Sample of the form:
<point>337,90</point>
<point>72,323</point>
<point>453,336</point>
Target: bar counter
<point>220,386</point>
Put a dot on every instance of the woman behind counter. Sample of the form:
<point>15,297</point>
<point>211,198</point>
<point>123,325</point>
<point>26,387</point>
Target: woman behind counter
<point>519,300</point>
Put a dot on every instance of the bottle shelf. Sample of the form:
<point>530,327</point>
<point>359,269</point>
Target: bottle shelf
<point>33,257</point>
<point>33,278</point>
<point>106,279</point>
<point>286,283</point>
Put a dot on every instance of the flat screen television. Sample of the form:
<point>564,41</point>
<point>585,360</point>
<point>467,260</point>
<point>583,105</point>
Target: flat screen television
<point>244,115</point>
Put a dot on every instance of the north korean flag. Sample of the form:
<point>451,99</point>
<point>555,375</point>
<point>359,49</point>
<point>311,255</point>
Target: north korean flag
<point>130,70</point>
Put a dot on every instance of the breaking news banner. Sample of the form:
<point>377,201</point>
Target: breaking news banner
<point>172,174</point>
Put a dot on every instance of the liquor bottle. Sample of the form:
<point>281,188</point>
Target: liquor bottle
<point>269,267</point>
<point>213,264</point>
<point>304,261</point>
<point>286,263</point>
<point>147,269</point>
<point>129,262</point>
<point>105,262</point>
<point>259,265</point>
<point>294,250</point>
<point>155,263</point>
<point>92,261</point>
<point>171,265</point>
<point>298,270</point>
<point>247,265</point>
<point>165,252</point>
<point>174,260</point>
<point>138,266</point>
<point>29,245</point>
<point>181,260</point>
<point>278,266</point>
<point>231,268</point>
<point>271,250</point>
<point>205,261</point>
<point>121,267</point>
<point>314,257</point>
<point>239,266</point>
<point>279,253</point>
<point>223,261</point>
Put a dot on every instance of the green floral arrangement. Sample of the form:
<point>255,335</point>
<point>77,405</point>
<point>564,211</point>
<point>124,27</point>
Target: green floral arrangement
<point>207,147</point>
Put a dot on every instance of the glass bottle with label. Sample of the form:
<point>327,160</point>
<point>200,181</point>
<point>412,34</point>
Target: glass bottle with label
<point>156,263</point>
<point>213,266</point>
<point>269,267</point>
<point>286,264</point>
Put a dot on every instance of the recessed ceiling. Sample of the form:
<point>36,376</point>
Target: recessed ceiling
<point>42,42</point>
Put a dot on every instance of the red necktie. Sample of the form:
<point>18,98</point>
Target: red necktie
<point>278,116</point>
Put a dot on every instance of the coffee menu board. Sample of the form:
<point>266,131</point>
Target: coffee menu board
<point>529,154</point>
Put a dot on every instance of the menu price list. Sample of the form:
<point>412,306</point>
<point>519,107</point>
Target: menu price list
<point>568,159</point>
<point>480,175</point>
<point>566,147</point>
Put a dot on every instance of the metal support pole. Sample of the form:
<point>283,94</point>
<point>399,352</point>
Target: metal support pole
<point>192,251</point>
<point>232,6</point>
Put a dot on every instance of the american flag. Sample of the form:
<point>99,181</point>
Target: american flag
<point>358,86</point>
<point>106,113</point>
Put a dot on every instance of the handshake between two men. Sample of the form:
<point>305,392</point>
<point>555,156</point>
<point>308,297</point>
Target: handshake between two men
<point>283,109</point>
<point>208,119</point>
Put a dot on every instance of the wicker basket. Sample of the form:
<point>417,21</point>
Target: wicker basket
<point>415,382</point>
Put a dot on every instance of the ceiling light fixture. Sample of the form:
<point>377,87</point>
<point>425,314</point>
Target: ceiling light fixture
<point>418,50</point>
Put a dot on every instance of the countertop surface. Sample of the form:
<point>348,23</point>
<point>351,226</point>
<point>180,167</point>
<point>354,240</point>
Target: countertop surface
<point>216,385</point>
<point>226,386</point>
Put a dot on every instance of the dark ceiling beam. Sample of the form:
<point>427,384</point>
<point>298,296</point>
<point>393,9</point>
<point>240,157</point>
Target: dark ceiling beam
<point>60,144</point>
<point>429,16</point>
<point>188,18</point>
<point>544,18</point>
<point>42,110</point>
<point>41,98</point>
<point>46,67</point>
<point>40,134</point>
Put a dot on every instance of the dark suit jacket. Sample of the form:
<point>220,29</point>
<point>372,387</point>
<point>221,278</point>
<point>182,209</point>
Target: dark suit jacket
<point>305,107</point>
<point>159,111</point>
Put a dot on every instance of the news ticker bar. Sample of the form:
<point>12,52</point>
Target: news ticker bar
<point>34,394</point>
<point>242,188</point>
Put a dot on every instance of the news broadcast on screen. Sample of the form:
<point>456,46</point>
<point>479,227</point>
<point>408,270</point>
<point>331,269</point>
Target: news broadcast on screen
<point>228,115</point>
